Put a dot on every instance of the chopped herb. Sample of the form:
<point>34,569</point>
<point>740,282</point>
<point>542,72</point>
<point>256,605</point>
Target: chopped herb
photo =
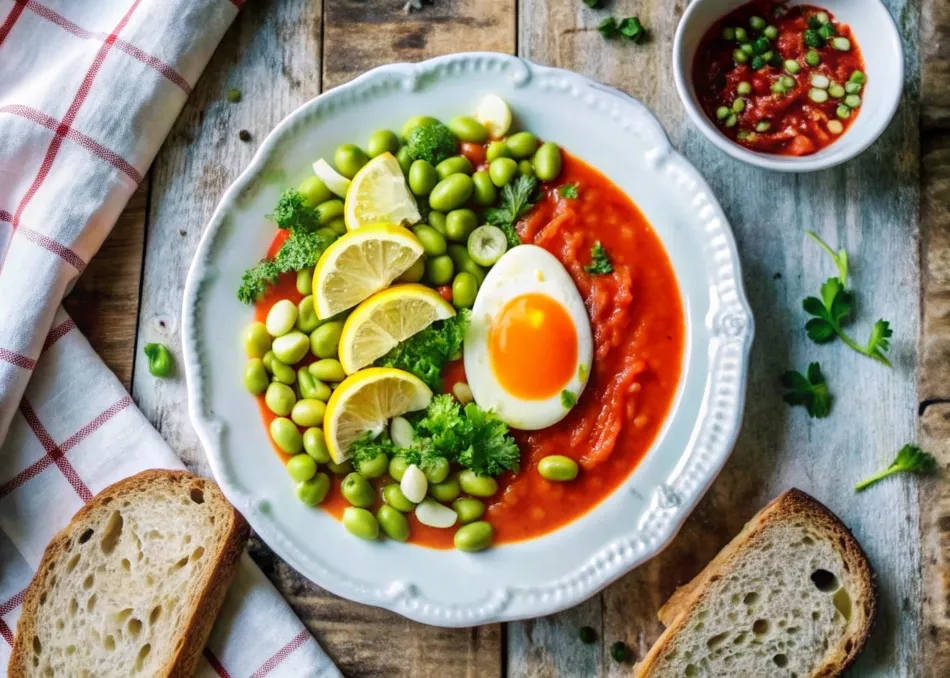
<point>587,635</point>
<point>600,263</point>
<point>619,651</point>
<point>583,371</point>
<point>234,95</point>
<point>244,135</point>
<point>568,399</point>
<point>910,458</point>
<point>629,29</point>
<point>516,201</point>
<point>426,353</point>
<point>608,28</point>
<point>593,4</point>
<point>159,360</point>
<point>568,191</point>
<point>810,391</point>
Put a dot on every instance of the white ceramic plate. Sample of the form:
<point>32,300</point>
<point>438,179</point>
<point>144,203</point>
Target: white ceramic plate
<point>609,130</point>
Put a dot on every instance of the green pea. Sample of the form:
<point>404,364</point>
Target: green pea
<point>375,467</point>
<point>357,490</point>
<point>474,537</point>
<point>255,376</point>
<point>525,168</point>
<point>414,273</point>
<point>469,510</point>
<point>437,470</point>
<point>340,469</point>
<point>484,190</point>
<point>502,170</point>
<point>451,192</point>
<point>308,412</point>
<point>325,340</point>
<point>314,191</point>
<point>291,347</point>
<point>397,467</point>
<point>393,496</point>
<point>458,164</point>
<point>437,221</point>
<point>301,467</point>
<point>338,226</point>
<point>416,121</point>
<point>497,149</point>
<point>304,282</point>
<point>464,289</point>
<point>404,160</point>
<point>280,399</point>
<point>314,491</point>
<point>315,445</point>
<point>360,523</point>
<point>439,270</point>
<point>464,262</point>
<point>446,491</point>
<point>460,223</point>
<point>468,128</point>
<point>432,241</point>
<point>477,486</point>
<point>349,159</point>
<point>382,141</point>
<point>328,369</point>
<point>285,435</point>
<point>257,340</point>
<point>394,523</point>
<point>522,144</point>
<point>330,210</point>
<point>547,161</point>
<point>422,177</point>
<point>558,468</point>
<point>282,372</point>
<point>307,320</point>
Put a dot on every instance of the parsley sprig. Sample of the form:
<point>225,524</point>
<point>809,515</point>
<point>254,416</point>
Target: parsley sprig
<point>809,390</point>
<point>910,458</point>
<point>600,263</point>
<point>629,29</point>
<point>516,201</point>
<point>568,191</point>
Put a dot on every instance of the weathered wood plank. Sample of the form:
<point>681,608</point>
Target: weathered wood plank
<point>935,64</point>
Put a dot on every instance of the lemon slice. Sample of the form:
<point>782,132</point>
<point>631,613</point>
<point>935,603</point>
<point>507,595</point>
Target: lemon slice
<point>378,193</point>
<point>387,318</point>
<point>365,401</point>
<point>361,263</point>
<point>494,113</point>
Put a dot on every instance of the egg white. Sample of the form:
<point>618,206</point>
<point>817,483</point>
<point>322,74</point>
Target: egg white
<point>524,270</point>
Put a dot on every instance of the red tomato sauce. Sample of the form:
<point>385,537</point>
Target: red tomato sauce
<point>638,326</point>
<point>796,124</point>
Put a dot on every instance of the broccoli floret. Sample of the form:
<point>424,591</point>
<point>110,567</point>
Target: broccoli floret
<point>432,143</point>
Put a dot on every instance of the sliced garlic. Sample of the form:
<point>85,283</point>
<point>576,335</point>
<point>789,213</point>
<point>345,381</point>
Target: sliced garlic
<point>494,113</point>
<point>336,182</point>
<point>414,484</point>
<point>463,393</point>
<point>401,433</point>
<point>432,513</point>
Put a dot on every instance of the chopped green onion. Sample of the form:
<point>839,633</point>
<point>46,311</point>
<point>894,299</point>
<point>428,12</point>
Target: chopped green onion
<point>738,105</point>
<point>792,66</point>
<point>820,81</point>
<point>728,33</point>
<point>723,112</point>
<point>732,120</point>
<point>841,44</point>
<point>741,34</point>
<point>771,32</point>
<point>739,56</point>
<point>768,56</point>
<point>812,58</point>
<point>822,17</point>
<point>744,134</point>
<point>836,90</point>
<point>761,45</point>
<point>758,63</point>
<point>828,31</point>
<point>747,48</point>
<point>843,112</point>
<point>778,87</point>
<point>744,88</point>
<point>852,87</point>
<point>757,23</point>
<point>763,126</point>
<point>858,77</point>
<point>819,96</point>
<point>835,127</point>
<point>788,82</point>
<point>852,101</point>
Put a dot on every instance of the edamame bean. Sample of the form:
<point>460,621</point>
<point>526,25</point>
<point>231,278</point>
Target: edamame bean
<point>360,523</point>
<point>558,468</point>
<point>338,226</point>
<point>328,369</point>
<point>285,435</point>
<point>255,376</point>
<point>310,387</point>
<point>392,495</point>
<point>439,270</point>
<point>404,160</point>
<point>464,289</point>
<point>325,340</point>
<point>437,221</point>
<point>382,141</point>
<point>349,159</point>
<point>375,467</point>
<point>497,149</point>
<point>422,177</point>
<point>308,412</point>
<point>394,523</point>
<point>268,361</point>
<point>446,491</point>
<point>432,241</point>
<point>304,281</point>
<point>460,223</point>
<point>314,191</point>
<point>477,486</point>
<point>315,445</point>
<point>357,490</point>
<point>314,491</point>
<point>468,128</point>
<point>328,211</point>
<point>397,467</point>
<point>257,340</point>
<point>464,262</point>
<point>326,232</point>
<point>522,144</point>
<point>502,170</point>
<point>525,168</point>
<point>301,467</point>
<point>307,320</point>
<point>291,347</point>
<point>547,161</point>
<point>339,469</point>
<point>282,372</point>
<point>483,190</point>
<point>415,272</point>
<point>451,192</point>
<point>457,164</point>
<point>437,470</point>
<point>474,537</point>
<point>416,121</point>
<point>280,399</point>
<point>469,510</point>
<point>281,318</point>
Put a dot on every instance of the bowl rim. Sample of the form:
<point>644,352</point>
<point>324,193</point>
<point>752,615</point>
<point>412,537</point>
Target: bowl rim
<point>682,77</point>
<point>729,324</point>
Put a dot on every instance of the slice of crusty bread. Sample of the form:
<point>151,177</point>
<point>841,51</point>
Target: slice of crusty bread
<point>132,586</point>
<point>792,595</point>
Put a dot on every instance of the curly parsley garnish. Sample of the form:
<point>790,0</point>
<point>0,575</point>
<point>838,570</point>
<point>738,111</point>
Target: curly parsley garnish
<point>600,263</point>
<point>568,191</point>
<point>809,390</point>
<point>516,201</point>
<point>425,353</point>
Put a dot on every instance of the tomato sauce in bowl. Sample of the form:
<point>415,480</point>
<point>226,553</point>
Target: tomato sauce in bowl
<point>780,79</point>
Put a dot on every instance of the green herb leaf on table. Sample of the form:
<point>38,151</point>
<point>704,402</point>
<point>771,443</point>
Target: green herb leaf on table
<point>426,353</point>
<point>160,361</point>
<point>600,263</point>
<point>608,28</point>
<point>516,201</point>
<point>811,391</point>
<point>568,191</point>
<point>631,29</point>
<point>593,4</point>
<point>910,459</point>
<point>840,257</point>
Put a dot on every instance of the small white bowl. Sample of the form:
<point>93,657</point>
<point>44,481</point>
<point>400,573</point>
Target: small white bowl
<point>880,45</point>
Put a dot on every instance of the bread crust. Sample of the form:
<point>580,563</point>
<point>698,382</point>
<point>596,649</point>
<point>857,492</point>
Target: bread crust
<point>202,609</point>
<point>793,503</point>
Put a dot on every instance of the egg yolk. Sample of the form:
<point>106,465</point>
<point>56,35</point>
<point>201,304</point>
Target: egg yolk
<point>532,346</point>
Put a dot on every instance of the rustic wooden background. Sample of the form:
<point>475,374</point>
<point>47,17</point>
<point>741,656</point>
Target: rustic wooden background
<point>881,207</point>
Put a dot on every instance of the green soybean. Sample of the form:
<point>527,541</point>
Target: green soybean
<point>311,387</point>
<point>437,470</point>
<point>464,262</point>
<point>525,168</point>
<point>502,170</point>
<point>477,486</point>
<point>458,164</point>
<point>422,177</point>
<point>328,211</point>
<point>325,340</point>
<point>255,376</point>
<point>349,159</point>
<point>328,369</point>
<point>314,191</point>
<point>436,220</point>
<point>497,149</point>
<point>338,226</point>
<point>469,510</point>
<point>415,272</point>
<point>460,223</point>
<point>439,270</point>
<point>360,523</point>
<point>393,496</point>
<point>312,492</point>
<point>308,412</point>
<point>484,190</point>
<point>522,144</point>
<point>451,192</point>
<point>315,444</point>
<point>394,524</point>
<point>291,347</point>
<point>404,160</point>
<point>282,372</point>
<point>474,537</point>
<point>357,490</point>
<point>326,232</point>
<point>558,468</point>
<point>416,121</point>
<point>280,399</point>
<point>464,289</point>
<point>375,467</point>
<point>339,469</point>
<point>301,467</point>
<point>382,141</point>
<point>433,244</point>
<point>446,491</point>
<point>547,161</point>
<point>257,340</point>
<point>305,281</point>
<point>468,128</point>
<point>285,435</point>
<point>397,467</point>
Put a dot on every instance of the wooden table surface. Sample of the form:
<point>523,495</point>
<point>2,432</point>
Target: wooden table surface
<point>888,208</point>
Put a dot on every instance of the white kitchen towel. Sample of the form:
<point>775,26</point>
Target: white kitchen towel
<point>88,91</point>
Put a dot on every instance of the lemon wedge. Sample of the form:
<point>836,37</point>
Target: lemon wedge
<point>378,193</point>
<point>387,318</point>
<point>336,182</point>
<point>361,263</point>
<point>494,113</point>
<point>365,401</point>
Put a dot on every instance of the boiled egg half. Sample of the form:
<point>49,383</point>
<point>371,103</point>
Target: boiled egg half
<point>528,348</point>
